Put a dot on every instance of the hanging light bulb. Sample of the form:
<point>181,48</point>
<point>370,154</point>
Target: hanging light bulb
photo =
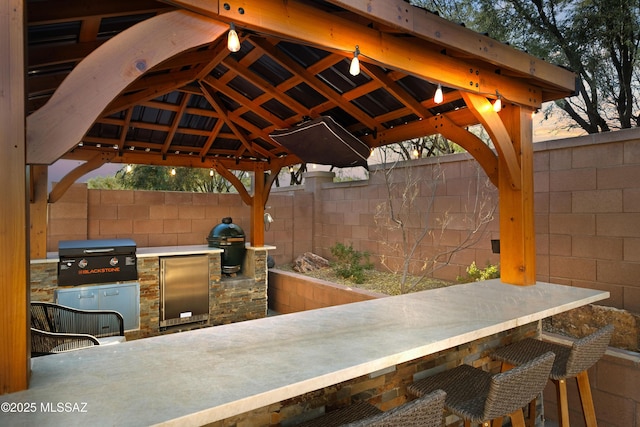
<point>354,69</point>
<point>210,172</point>
<point>416,153</point>
<point>497,105</point>
<point>438,97</point>
<point>173,171</point>
<point>233,42</point>
<point>129,168</point>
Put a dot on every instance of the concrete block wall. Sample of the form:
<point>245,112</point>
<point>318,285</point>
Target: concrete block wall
<point>290,293</point>
<point>150,218</point>
<point>614,384</point>
<point>588,214</point>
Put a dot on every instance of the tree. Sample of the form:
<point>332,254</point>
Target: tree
<point>408,221</point>
<point>597,39</point>
<point>164,178</point>
<point>417,148</point>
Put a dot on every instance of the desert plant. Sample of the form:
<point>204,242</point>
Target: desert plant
<point>475,274</point>
<point>350,263</point>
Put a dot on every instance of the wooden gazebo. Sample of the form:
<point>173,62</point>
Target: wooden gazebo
<point>154,82</point>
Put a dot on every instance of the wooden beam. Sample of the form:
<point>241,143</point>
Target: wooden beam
<point>115,65</point>
<point>299,21</point>
<point>38,177</point>
<point>50,11</point>
<point>417,129</point>
<point>257,207</point>
<point>434,29</point>
<point>14,266</point>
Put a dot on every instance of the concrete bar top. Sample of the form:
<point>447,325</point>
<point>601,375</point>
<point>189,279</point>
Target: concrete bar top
<point>197,377</point>
<point>162,251</point>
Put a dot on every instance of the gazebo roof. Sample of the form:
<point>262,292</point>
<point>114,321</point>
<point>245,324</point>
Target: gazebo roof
<point>207,107</point>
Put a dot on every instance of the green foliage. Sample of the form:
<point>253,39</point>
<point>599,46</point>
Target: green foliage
<point>350,263</point>
<point>161,178</point>
<point>475,274</point>
<point>104,183</point>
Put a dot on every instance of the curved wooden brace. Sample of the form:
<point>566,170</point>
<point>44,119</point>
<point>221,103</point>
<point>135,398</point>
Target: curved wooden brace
<point>237,184</point>
<point>474,145</point>
<point>68,180</point>
<point>61,123</point>
<point>483,110</point>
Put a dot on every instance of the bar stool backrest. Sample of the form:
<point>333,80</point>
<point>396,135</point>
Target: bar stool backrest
<point>515,388</point>
<point>426,411</point>
<point>586,351</point>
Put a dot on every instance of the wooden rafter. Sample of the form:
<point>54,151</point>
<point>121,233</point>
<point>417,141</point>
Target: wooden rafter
<point>176,121</point>
<point>216,103</point>
<point>315,83</point>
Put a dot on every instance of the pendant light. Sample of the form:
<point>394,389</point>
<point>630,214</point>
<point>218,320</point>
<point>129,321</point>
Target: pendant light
<point>354,69</point>
<point>233,42</point>
<point>438,97</point>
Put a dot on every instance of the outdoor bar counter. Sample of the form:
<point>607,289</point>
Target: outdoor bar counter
<point>197,377</point>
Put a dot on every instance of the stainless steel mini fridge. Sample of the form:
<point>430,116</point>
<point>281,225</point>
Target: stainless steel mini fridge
<point>184,289</point>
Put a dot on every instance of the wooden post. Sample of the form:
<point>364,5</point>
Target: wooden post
<point>38,180</point>
<point>257,206</point>
<point>14,273</point>
<point>517,228</point>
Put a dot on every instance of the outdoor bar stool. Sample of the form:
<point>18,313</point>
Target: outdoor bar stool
<point>570,362</point>
<point>426,411</point>
<point>479,397</point>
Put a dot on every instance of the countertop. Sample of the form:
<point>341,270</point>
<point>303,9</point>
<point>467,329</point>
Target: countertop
<point>162,251</point>
<point>197,377</point>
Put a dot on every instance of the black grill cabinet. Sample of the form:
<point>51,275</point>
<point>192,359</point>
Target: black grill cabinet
<point>96,261</point>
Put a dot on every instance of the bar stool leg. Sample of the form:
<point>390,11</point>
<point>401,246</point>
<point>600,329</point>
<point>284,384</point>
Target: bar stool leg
<point>563,405</point>
<point>586,398</point>
<point>517,418</point>
<point>531,422</point>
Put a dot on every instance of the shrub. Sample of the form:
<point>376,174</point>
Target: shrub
<point>350,263</point>
<point>475,274</point>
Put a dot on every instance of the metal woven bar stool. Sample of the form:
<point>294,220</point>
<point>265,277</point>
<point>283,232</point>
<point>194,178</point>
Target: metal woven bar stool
<point>479,397</point>
<point>423,412</point>
<point>570,362</point>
